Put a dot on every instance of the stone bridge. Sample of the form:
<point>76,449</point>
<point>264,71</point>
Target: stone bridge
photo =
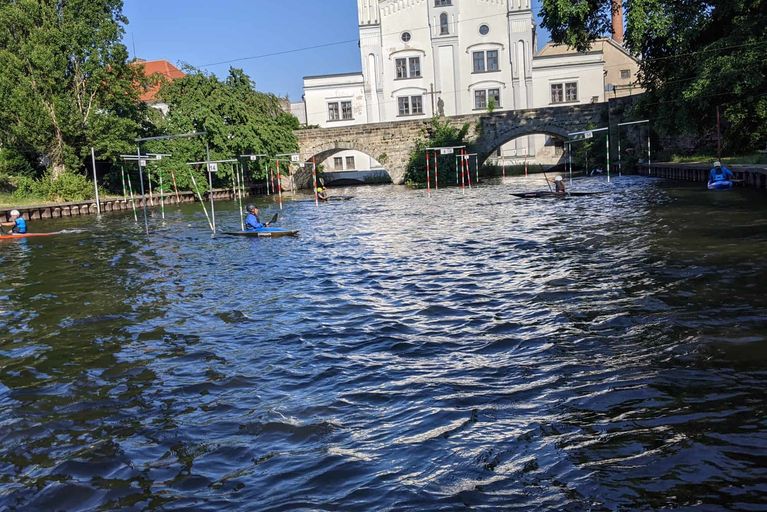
<point>391,143</point>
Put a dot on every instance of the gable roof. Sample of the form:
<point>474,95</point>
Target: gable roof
<point>166,72</point>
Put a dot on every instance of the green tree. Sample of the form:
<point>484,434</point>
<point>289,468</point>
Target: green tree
<point>65,83</point>
<point>237,119</point>
<point>440,134</point>
<point>695,55</point>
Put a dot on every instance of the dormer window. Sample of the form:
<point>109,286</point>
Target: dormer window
<point>444,27</point>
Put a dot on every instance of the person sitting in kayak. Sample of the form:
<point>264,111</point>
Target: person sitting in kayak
<point>17,223</point>
<point>322,194</point>
<point>559,185</point>
<point>252,223</point>
<point>719,173</point>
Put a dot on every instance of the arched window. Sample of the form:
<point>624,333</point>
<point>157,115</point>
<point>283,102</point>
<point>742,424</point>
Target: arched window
<point>444,28</point>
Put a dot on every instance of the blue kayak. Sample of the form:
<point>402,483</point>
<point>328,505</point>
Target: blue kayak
<point>720,185</point>
<point>263,233</point>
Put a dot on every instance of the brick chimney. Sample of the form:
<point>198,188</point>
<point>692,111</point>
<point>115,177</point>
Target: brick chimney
<point>618,21</point>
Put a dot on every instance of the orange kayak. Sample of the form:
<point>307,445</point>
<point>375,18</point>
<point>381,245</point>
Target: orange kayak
<point>28,235</point>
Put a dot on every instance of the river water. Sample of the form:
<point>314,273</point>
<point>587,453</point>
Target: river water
<point>467,351</point>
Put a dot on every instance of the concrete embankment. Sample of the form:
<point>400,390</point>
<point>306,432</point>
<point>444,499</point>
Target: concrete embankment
<point>74,209</point>
<point>751,176</point>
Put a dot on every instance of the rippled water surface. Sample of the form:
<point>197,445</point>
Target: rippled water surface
<point>464,351</point>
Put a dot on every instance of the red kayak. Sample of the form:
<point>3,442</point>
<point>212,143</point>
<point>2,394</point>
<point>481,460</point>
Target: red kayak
<point>28,235</point>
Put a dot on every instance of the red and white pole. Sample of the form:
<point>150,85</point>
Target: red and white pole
<point>314,177</point>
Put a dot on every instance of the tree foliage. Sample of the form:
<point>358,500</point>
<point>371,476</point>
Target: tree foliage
<point>238,120</point>
<point>65,84</point>
<point>695,55</point>
<point>440,134</point>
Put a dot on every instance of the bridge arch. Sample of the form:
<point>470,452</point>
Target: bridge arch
<point>375,171</point>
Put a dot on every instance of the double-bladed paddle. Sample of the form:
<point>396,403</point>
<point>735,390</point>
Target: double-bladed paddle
<point>274,219</point>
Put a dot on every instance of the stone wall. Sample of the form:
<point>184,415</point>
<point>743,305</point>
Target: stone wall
<point>391,143</point>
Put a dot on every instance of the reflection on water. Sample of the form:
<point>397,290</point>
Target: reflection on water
<point>467,350</point>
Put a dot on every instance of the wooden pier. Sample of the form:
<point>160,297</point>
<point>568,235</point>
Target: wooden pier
<point>74,209</point>
<point>752,176</point>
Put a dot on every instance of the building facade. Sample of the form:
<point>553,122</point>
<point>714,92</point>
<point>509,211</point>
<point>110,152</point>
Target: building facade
<point>424,58</point>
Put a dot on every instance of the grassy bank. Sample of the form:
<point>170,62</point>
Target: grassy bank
<point>751,158</point>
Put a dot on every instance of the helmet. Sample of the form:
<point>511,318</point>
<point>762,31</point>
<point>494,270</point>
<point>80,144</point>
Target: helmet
<point>558,178</point>
<point>15,213</point>
<point>717,164</point>
<point>250,207</point>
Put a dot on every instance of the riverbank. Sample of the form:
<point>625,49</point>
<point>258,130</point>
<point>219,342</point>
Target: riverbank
<point>751,176</point>
<point>110,204</point>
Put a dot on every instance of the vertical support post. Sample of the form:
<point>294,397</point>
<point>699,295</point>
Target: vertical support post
<point>607,145</point>
<point>141,182</point>
<point>279,184</point>
<point>95,181</point>
<point>162,197</point>
<point>428,174</point>
<point>132,200</point>
<point>210,185</point>
<point>620,162</point>
<point>314,179</point>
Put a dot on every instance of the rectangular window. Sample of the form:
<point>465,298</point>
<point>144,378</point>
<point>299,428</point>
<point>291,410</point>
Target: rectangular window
<point>495,96</point>
<point>625,74</point>
<point>401,68</point>
<point>415,67</point>
<point>404,106</point>
<point>557,93</point>
<point>338,163</point>
<point>444,24</point>
<point>492,60</point>
<point>480,99</point>
<point>408,68</point>
<point>350,163</point>
<point>443,3</point>
<point>346,110</point>
<point>479,62</point>
<point>416,104</point>
<point>333,113</point>
<point>485,61</point>
<point>571,91</point>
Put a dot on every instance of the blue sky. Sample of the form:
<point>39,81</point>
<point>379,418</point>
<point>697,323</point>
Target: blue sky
<point>203,32</point>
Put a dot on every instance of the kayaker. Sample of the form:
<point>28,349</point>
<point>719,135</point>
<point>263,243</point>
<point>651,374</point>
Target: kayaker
<point>252,223</point>
<point>719,173</point>
<point>322,194</point>
<point>17,223</point>
<point>559,185</point>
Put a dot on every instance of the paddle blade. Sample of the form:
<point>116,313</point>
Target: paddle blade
<point>274,219</point>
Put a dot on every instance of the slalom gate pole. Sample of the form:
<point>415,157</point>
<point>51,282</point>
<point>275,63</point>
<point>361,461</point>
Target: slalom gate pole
<point>457,159</point>
<point>132,200</point>
<point>162,197</point>
<point>468,170</point>
<point>149,180</point>
<point>141,182</point>
<point>436,172</point>
<point>607,145</point>
<point>503,167</point>
<point>122,174</point>
<point>428,174</point>
<point>210,185</point>
<point>240,193</point>
<point>202,201</point>
<point>95,181</point>
<point>570,161</point>
<point>316,193</point>
<point>525,167</point>
<point>175,186</point>
<point>279,183</point>
<point>476,167</point>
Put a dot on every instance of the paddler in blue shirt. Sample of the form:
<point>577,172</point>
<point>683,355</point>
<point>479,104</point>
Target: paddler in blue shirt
<point>17,223</point>
<point>252,223</point>
<point>719,173</point>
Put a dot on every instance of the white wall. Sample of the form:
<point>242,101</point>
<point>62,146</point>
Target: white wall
<point>362,162</point>
<point>319,91</point>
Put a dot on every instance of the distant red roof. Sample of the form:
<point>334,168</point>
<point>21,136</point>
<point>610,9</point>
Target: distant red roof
<point>165,69</point>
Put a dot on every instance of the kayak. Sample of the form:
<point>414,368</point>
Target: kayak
<point>547,194</point>
<point>28,235</point>
<point>263,233</point>
<point>720,185</point>
<point>330,199</point>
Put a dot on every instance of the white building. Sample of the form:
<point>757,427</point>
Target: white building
<point>422,58</point>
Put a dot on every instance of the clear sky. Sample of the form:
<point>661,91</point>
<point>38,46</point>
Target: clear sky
<point>204,32</point>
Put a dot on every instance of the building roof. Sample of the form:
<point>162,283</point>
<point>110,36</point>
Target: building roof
<point>165,70</point>
<point>598,45</point>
